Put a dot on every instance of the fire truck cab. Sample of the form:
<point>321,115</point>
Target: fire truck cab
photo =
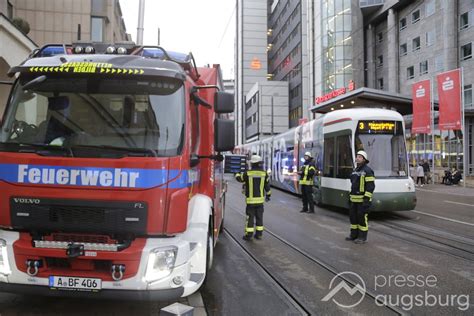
<point>111,178</point>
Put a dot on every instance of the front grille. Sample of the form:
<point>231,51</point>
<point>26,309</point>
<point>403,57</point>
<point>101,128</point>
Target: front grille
<point>78,216</point>
<point>97,239</point>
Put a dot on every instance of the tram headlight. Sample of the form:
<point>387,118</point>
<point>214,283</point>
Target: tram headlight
<point>4,265</point>
<point>160,263</point>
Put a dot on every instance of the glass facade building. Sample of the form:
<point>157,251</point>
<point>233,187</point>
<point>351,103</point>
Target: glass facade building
<point>336,26</point>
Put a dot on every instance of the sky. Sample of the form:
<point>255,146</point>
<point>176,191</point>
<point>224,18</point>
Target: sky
<point>204,27</point>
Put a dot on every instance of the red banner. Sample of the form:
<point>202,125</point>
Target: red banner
<point>449,94</point>
<point>421,94</point>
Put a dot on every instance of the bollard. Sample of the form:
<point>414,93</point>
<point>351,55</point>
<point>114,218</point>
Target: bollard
<point>177,309</point>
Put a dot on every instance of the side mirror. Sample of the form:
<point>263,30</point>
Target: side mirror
<point>224,135</point>
<point>223,102</point>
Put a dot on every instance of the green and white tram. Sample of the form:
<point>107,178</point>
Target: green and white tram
<point>333,141</point>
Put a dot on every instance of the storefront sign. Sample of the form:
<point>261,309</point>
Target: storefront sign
<point>335,93</point>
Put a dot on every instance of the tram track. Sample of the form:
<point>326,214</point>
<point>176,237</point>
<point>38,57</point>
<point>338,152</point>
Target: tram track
<point>320,263</point>
<point>456,251</point>
<point>278,285</point>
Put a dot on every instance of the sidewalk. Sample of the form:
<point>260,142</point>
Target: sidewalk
<point>450,189</point>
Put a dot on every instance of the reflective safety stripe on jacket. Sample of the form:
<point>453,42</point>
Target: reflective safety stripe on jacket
<point>256,183</point>
<point>306,179</point>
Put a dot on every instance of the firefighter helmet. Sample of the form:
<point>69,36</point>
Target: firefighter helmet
<point>363,154</point>
<point>308,154</point>
<point>255,159</point>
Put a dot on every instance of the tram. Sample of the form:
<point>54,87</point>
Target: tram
<point>333,140</point>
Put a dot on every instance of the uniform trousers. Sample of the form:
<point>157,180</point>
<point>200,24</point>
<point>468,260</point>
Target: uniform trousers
<point>254,214</point>
<point>359,217</point>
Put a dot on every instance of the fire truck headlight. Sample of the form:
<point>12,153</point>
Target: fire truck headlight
<point>160,263</point>
<point>4,265</point>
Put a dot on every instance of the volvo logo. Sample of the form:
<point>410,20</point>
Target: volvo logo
<point>27,201</point>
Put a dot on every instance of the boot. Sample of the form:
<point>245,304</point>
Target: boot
<point>303,211</point>
<point>351,238</point>
<point>247,237</point>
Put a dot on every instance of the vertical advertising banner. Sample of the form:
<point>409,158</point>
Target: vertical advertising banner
<point>449,93</point>
<point>421,94</point>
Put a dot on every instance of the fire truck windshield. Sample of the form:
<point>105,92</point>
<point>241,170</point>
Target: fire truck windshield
<point>89,116</point>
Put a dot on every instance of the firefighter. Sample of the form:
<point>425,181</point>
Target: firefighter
<point>257,190</point>
<point>307,172</point>
<point>362,188</point>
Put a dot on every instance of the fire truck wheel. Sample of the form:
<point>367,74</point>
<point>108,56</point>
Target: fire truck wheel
<point>209,249</point>
<point>221,229</point>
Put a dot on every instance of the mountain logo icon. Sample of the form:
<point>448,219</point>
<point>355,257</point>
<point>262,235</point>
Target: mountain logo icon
<point>342,285</point>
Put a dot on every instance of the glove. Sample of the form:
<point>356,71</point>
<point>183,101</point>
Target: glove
<point>267,199</point>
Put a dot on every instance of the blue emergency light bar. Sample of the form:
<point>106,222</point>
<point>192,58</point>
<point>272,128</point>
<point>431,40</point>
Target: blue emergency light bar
<point>50,50</point>
<point>157,52</point>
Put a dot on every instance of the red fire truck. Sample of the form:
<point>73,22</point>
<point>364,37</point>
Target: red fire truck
<point>111,178</point>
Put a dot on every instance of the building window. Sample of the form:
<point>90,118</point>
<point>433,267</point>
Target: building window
<point>97,29</point>
<point>424,67</point>
<point>464,21</point>
<point>416,44</point>
<point>439,63</point>
<point>403,24</point>
<point>410,72</point>
<point>430,8</point>
<point>430,38</point>
<point>468,95</point>
<point>415,16</point>
<point>380,61</point>
<point>380,37</point>
<point>466,51</point>
<point>403,49</point>
<point>380,83</point>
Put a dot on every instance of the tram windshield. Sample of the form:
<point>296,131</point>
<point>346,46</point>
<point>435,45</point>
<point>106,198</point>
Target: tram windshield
<point>384,143</point>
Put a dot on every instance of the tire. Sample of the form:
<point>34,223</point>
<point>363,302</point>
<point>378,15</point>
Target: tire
<point>209,249</point>
<point>221,229</point>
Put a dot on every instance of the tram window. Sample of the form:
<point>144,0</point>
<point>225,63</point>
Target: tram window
<point>344,157</point>
<point>329,157</point>
<point>288,165</point>
<point>386,151</point>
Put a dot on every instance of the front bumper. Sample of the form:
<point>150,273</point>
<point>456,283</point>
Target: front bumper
<point>140,295</point>
<point>188,267</point>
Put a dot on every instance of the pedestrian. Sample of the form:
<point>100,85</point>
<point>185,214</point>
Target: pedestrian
<point>362,188</point>
<point>257,190</point>
<point>420,174</point>
<point>426,171</point>
<point>306,173</point>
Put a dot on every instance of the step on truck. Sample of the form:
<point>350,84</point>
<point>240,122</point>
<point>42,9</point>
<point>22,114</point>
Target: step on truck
<point>111,177</point>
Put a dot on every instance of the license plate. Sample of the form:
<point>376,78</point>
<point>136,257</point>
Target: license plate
<point>75,283</point>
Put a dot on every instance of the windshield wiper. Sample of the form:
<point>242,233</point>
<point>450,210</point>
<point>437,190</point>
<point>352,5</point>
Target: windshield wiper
<point>40,149</point>
<point>131,151</point>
